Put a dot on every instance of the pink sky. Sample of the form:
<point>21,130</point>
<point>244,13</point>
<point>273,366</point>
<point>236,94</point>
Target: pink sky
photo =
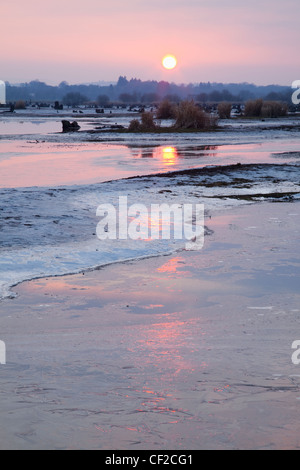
<point>92,40</point>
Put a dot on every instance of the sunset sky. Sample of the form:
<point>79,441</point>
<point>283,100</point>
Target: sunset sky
<point>93,40</point>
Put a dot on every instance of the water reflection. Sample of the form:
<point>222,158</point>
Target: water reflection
<point>36,162</point>
<point>167,344</point>
<point>170,154</point>
<point>174,266</point>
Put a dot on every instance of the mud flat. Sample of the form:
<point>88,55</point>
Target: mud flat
<point>188,351</point>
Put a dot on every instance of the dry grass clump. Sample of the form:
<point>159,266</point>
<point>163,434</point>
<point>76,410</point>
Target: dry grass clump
<point>147,123</point>
<point>224,110</point>
<point>134,125</point>
<point>253,108</point>
<point>166,110</point>
<point>188,116</point>
<point>191,116</point>
<point>274,109</point>
<point>261,108</point>
<point>20,104</point>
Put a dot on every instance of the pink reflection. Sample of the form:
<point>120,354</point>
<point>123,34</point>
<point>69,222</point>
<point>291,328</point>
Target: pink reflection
<point>38,163</point>
<point>26,164</point>
<point>166,344</point>
<point>168,155</point>
<point>171,267</point>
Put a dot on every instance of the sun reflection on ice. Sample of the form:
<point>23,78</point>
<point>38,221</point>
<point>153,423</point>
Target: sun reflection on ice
<point>168,155</point>
<point>172,267</point>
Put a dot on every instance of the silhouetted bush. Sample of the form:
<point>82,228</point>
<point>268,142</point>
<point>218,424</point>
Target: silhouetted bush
<point>191,116</point>
<point>188,116</point>
<point>224,110</point>
<point>260,108</point>
<point>20,104</point>
<point>134,125</point>
<point>166,110</point>
<point>274,109</point>
<point>253,108</point>
<point>147,124</point>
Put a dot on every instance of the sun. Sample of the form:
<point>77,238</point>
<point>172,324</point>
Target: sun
<point>169,62</point>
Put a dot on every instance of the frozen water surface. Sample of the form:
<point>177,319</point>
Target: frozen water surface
<point>52,183</point>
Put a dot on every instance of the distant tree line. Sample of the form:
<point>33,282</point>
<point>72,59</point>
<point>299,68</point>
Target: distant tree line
<point>136,91</point>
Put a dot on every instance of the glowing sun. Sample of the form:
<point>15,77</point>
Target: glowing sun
<point>169,62</point>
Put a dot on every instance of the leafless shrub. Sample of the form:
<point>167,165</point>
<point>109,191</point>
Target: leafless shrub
<point>20,104</point>
<point>224,110</point>
<point>274,109</point>
<point>191,116</point>
<point>134,125</point>
<point>166,110</point>
<point>261,108</point>
<point>253,108</point>
<point>147,123</point>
